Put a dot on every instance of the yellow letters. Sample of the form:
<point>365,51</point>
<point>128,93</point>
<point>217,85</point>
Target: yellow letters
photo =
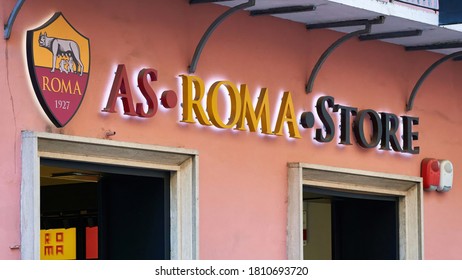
<point>57,85</point>
<point>191,103</point>
<point>287,114</point>
<point>212,106</point>
<point>241,108</point>
<point>77,88</point>
<point>66,87</point>
<point>252,116</point>
<point>45,82</point>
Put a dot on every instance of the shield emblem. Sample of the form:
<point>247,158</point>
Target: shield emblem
<point>58,58</point>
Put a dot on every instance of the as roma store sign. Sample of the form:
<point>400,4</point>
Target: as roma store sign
<point>59,66</point>
<point>369,128</point>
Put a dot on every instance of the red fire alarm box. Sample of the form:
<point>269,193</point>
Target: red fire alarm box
<point>430,174</point>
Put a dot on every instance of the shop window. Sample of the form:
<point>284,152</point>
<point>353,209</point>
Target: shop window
<point>330,209</point>
<point>114,212</point>
<point>349,226</point>
<point>106,199</point>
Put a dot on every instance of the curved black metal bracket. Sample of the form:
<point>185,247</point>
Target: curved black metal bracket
<point>209,31</point>
<point>9,25</point>
<point>424,76</point>
<point>328,52</point>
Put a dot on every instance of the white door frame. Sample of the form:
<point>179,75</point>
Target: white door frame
<point>182,164</point>
<point>408,189</point>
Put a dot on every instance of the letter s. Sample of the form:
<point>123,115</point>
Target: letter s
<point>147,92</point>
<point>325,118</point>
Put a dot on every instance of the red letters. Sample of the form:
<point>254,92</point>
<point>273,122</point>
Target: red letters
<point>51,250</point>
<point>121,89</point>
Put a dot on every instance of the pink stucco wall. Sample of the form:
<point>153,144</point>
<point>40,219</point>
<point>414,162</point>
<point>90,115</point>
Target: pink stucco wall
<point>243,175</point>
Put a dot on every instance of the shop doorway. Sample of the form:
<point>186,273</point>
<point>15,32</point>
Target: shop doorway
<point>96,163</point>
<point>103,212</point>
<point>351,203</point>
<point>349,226</point>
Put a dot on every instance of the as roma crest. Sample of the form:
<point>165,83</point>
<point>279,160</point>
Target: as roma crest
<point>58,58</point>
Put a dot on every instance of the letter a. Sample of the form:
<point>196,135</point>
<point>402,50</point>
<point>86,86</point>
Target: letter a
<point>287,114</point>
<point>121,88</point>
